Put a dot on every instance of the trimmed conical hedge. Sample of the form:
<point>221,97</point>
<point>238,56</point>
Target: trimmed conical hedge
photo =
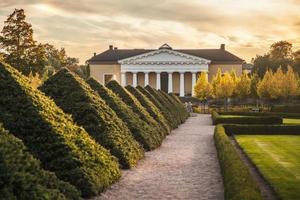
<point>22,177</point>
<point>75,97</point>
<point>150,107</point>
<point>182,108</point>
<point>166,113</point>
<point>53,137</point>
<point>174,115</point>
<point>141,131</point>
<point>135,105</point>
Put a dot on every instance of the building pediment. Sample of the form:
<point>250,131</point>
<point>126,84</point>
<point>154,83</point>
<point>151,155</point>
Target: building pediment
<point>164,57</point>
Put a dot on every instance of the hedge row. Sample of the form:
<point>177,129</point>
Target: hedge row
<point>53,137</point>
<point>134,104</point>
<point>295,108</point>
<point>265,129</point>
<point>219,119</point>
<point>141,131</point>
<point>163,109</point>
<point>150,107</point>
<point>75,97</point>
<point>238,182</point>
<point>22,177</point>
<point>279,114</point>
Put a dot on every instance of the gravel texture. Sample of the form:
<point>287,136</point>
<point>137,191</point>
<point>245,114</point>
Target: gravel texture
<point>184,167</point>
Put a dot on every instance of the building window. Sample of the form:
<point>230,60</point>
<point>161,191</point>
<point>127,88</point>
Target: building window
<point>107,78</point>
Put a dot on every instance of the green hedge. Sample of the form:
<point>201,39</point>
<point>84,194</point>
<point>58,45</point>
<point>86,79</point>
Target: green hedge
<point>141,131</point>
<point>22,177</point>
<point>53,137</point>
<point>280,114</point>
<point>265,129</point>
<point>151,108</point>
<point>294,108</point>
<point>165,112</point>
<point>238,182</point>
<point>220,119</point>
<point>135,105</point>
<point>173,114</point>
<point>75,97</point>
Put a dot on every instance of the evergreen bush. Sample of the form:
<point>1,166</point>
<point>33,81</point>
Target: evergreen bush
<point>150,107</point>
<point>141,131</point>
<point>53,137</point>
<point>135,105</point>
<point>22,177</point>
<point>75,97</point>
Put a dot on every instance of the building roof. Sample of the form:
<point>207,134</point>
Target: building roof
<point>113,55</point>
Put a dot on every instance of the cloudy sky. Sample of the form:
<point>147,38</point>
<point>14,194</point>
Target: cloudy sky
<point>83,27</point>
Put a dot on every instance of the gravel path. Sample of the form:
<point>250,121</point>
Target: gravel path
<point>184,167</point>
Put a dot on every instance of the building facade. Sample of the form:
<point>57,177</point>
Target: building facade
<point>171,70</point>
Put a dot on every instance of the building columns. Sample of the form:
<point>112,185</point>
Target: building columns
<point>181,93</point>
<point>193,82</point>
<point>146,79</point>
<point>158,80</point>
<point>170,82</point>
<point>123,79</point>
<point>134,79</point>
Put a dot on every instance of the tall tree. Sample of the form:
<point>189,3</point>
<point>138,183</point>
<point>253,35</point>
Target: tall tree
<point>17,43</point>
<point>203,89</point>
<point>243,86</point>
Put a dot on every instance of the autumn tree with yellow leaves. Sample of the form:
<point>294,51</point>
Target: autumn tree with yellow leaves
<point>203,89</point>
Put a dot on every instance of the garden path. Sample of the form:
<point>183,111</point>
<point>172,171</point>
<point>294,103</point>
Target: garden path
<point>184,167</point>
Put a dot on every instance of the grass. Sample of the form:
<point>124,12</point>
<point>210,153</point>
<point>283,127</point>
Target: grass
<point>278,159</point>
<point>291,121</point>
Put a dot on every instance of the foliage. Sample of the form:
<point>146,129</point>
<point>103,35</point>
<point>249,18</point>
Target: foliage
<point>229,119</point>
<point>53,137</point>
<point>216,81</point>
<point>291,108</point>
<point>202,88</point>
<point>22,176</point>
<point>280,114</point>
<point>243,86</point>
<point>225,87</point>
<point>136,106</point>
<point>75,97</point>
<point>151,108</point>
<point>280,172</point>
<point>278,85</point>
<point>20,49</point>
<point>141,131</point>
<point>157,103</point>
<point>238,182</point>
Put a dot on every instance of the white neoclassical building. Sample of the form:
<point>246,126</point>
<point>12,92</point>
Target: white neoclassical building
<point>171,70</point>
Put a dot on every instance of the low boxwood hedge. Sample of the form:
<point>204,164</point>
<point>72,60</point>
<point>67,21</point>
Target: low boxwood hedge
<point>53,137</point>
<point>280,114</point>
<point>150,107</point>
<point>165,112</point>
<point>75,97</point>
<point>264,129</point>
<point>141,131</point>
<point>135,105</point>
<point>293,108</point>
<point>219,119</point>
<point>238,182</point>
<point>22,177</point>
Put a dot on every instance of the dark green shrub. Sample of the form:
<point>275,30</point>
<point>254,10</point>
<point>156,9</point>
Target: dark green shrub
<point>141,131</point>
<point>150,107</point>
<point>135,105</point>
<point>238,182</point>
<point>162,108</point>
<point>265,129</point>
<point>280,114</point>
<point>22,177</point>
<point>293,108</point>
<point>223,119</point>
<point>53,137</point>
<point>75,97</point>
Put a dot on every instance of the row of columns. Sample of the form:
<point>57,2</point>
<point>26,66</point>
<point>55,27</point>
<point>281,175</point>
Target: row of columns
<point>158,83</point>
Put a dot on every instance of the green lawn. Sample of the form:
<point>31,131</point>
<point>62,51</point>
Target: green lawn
<point>291,121</point>
<point>278,159</point>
